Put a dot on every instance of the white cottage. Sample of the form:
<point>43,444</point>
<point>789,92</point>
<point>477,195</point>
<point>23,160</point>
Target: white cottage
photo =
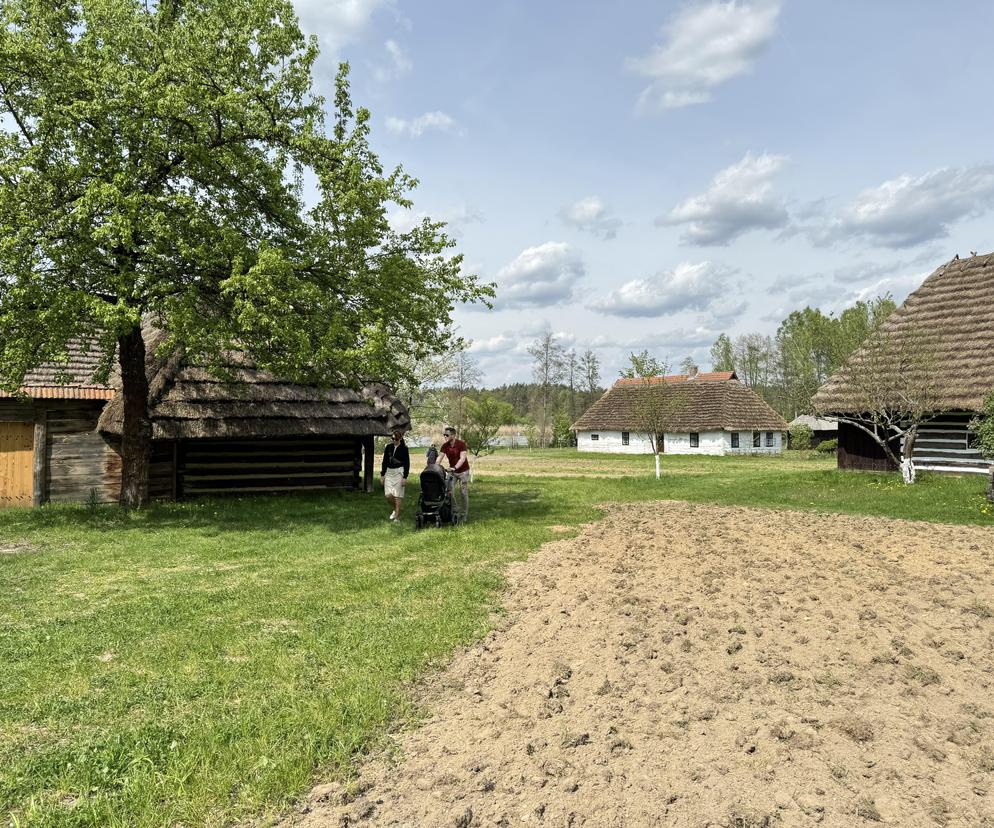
<point>715,414</point>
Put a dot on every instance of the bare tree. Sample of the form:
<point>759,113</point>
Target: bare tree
<point>657,407</point>
<point>465,376</point>
<point>548,372</point>
<point>571,370</point>
<point>890,385</point>
<point>590,368</point>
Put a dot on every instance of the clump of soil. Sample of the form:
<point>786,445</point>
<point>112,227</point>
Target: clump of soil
<point>692,665</point>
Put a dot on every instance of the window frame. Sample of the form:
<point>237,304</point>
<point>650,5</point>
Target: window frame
<point>757,439</point>
<point>735,439</point>
<point>695,439</point>
<point>594,437</point>
<point>769,439</point>
<point>626,438</point>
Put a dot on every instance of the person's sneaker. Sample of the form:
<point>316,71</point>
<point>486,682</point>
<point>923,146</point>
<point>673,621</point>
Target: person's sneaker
<point>393,516</point>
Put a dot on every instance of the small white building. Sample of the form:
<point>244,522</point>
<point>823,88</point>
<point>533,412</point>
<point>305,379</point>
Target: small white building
<point>710,413</point>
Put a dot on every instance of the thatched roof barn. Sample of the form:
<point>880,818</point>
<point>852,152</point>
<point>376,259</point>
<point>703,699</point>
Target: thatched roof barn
<point>714,414</point>
<point>246,431</point>
<point>952,316</point>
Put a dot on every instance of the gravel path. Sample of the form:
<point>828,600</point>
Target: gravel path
<point>688,665</point>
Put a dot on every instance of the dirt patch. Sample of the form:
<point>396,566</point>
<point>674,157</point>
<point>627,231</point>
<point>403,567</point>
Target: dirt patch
<point>685,665</point>
<point>15,548</point>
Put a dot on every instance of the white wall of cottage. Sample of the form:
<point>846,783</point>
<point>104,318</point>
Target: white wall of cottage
<point>710,442</point>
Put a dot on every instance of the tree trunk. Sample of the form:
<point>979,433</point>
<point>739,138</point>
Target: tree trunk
<point>990,486</point>
<point>908,472</point>
<point>657,465</point>
<point>136,439</point>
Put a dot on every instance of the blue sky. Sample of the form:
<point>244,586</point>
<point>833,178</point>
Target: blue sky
<point>648,175</point>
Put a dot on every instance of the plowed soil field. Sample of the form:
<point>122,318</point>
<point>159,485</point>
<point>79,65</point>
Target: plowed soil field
<point>683,665</point>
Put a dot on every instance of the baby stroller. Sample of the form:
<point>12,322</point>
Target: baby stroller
<point>435,500</point>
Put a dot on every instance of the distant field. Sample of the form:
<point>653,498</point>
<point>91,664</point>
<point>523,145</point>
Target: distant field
<point>207,661</point>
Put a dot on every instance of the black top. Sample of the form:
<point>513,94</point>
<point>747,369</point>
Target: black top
<point>396,457</point>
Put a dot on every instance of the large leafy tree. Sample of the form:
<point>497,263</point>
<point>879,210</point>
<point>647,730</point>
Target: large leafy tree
<point>170,162</point>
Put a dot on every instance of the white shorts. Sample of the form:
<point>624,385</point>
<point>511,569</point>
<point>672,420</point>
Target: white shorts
<point>393,483</point>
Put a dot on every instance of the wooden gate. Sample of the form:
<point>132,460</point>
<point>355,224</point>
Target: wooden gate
<point>16,464</point>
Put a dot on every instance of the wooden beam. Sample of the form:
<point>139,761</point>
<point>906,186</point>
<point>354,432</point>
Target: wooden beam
<point>40,457</point>
<point>367,463</point>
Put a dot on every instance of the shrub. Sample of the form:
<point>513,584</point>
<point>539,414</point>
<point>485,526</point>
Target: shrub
<point>829,446</point>
<point>800,436</point>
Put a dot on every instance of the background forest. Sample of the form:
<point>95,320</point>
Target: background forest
<point>785,369</point>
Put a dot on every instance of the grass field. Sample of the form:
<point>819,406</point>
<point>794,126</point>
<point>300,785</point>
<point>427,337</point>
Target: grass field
<point>204,662</point>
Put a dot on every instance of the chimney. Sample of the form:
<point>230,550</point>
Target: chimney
<point>693,372</point>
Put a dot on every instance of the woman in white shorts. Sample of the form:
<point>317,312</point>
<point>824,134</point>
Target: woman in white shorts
<point>396,466</point>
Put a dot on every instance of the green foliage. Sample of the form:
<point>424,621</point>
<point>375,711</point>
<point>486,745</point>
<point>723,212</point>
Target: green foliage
<point>983,427</point>
<point>484,417</point>
<point>562,434</point>
<point>829,446</point>
<point>800,436</point>
<point>154,164</point>
<point>722,358</point>
<point>644,364</point>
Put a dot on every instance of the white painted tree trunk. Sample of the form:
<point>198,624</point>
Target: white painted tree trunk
<point>657,465</point>
<point>908,470</point>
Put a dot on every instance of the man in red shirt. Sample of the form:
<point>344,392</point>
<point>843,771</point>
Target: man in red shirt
<point>455,450</point>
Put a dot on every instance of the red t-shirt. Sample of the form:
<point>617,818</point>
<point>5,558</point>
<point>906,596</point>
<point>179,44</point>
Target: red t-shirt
<point>452,451</point>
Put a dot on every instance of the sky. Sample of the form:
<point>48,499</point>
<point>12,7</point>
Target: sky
<point>646,175</point>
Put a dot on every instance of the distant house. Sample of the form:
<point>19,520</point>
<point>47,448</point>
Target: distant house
<point>822,428</point>
<point>247,432</point>
<point>955,306</point>
<point>718,415</point>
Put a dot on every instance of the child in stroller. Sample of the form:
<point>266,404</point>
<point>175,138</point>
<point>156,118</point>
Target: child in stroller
<point>435,500</point>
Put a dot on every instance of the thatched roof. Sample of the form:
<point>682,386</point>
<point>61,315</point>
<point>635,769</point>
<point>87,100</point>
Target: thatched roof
<point>187,402</point>
<point>705,405</point>
<point>954,311</point>
<point>68,379</point>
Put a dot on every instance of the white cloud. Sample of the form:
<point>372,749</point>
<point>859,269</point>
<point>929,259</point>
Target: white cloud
<point>499,344</point>
<point>908,211</point>
<point>686,287</point>
<point>673,339</point>
<point>400,64</point>
<point>740,199</point>
<point>403,219</point>
<point>416,127</point>
<point>702,47</point>
<point>336,22</point>
<point>591,216</point>
<point>540,276</point>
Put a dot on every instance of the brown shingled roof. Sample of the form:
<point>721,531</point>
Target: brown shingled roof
<point>70,378</point>
<point>711,405</point>
<point>954,310</point>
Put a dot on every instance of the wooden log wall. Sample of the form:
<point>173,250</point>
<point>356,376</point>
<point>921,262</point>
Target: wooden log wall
<point>71,461</point>
<point>859,451</point>
<point>81,464</point>
<point>209,467</point>
<point>946,444</point>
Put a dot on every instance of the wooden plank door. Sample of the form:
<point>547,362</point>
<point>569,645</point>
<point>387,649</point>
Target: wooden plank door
<point>16,464</point>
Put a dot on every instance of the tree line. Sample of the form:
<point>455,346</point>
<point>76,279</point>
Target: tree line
<point>786,369</point>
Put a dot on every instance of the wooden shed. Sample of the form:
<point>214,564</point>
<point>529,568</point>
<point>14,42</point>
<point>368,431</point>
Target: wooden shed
<point>247,432</point>
<point>955,307</point>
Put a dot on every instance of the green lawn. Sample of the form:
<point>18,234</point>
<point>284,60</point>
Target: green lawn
<point>202,662</point>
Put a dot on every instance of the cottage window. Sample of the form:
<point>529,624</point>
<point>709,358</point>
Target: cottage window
<point>735,439</point>
<point>695,439</point>
<point>624,438</point>
<point>757,439</point>
<point>769,439</point>
<point>595,437</point>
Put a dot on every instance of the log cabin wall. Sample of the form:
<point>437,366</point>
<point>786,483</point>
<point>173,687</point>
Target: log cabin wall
<point>859,451</point>
<point>76,463</point>
<point>272,464</point>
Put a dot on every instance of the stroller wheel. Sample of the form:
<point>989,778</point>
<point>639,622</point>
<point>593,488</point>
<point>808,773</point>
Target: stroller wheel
<point>418,522</point>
